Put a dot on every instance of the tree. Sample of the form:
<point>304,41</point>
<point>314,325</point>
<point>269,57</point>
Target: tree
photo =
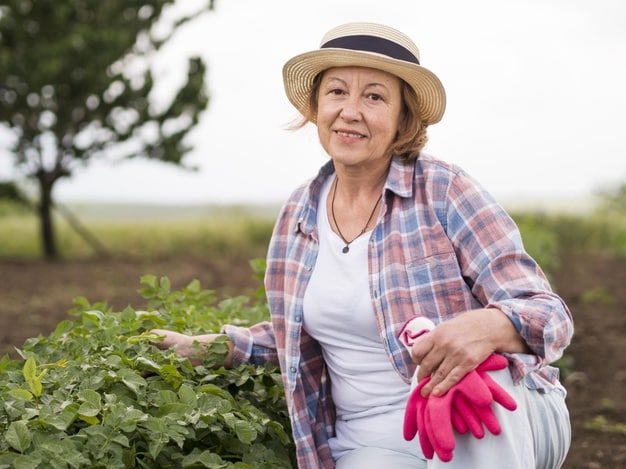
<point>76,84</point>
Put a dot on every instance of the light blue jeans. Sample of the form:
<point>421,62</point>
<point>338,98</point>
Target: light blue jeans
<point>536,435</point>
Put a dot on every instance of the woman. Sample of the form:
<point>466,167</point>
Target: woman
<point>382,234</point>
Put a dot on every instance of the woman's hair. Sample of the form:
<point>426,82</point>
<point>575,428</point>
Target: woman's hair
<point>412,133</point>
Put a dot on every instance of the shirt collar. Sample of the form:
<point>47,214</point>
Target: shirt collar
<point>400,178</point>
<point>399,181</point>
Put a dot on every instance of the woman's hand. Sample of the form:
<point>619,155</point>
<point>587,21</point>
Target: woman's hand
<point>456,347</point>
<point>189,346</point>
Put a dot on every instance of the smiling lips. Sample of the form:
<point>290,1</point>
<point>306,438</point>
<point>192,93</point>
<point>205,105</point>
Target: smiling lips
<point>345,133</point>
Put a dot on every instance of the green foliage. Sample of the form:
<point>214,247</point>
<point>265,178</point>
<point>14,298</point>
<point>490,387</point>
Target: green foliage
<point>600,233</point>
<point>97,393</point>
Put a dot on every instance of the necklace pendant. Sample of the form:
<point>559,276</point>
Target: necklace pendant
<point>345,249</point>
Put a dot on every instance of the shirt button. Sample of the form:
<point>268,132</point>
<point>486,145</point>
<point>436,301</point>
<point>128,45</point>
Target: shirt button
<point>293,369</point>
<point>298,318</point>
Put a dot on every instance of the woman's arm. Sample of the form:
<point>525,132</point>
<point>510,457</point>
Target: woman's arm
<point>254,345</point>
<point>191,346</point>
<point>520,312</point>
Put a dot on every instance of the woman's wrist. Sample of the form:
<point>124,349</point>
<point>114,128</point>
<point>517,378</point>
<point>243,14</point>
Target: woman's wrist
<point>211,352</point>
<point>506,338</point>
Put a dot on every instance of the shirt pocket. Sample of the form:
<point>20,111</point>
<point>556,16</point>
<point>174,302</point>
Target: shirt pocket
<point>437,287</point>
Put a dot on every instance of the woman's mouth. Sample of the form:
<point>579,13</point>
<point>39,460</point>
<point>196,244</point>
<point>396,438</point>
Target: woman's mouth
<point>347,134</point>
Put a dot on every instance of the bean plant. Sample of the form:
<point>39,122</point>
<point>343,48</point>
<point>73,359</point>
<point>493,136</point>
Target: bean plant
<point>97,393</point>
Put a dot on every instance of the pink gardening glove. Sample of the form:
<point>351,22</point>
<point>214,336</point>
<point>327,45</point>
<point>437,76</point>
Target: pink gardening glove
<point>414,417</point>
<point>466,417</point>
<point>465,407</point>
<point>414,413</point>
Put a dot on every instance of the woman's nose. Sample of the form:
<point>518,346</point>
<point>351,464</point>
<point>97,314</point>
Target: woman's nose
<point>351,110</point>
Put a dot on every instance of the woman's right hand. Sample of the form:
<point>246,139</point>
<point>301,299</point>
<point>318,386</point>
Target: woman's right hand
<point>188,345</point>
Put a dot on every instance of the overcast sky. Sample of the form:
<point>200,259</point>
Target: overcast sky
<point>536,98</point>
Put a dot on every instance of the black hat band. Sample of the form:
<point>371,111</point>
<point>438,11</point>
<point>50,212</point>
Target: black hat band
<point>372,44</point>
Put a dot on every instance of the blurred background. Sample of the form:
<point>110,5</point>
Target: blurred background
<point>536,101</point>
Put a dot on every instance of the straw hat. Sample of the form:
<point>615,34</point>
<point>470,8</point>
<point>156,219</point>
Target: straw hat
<point>366,45</point>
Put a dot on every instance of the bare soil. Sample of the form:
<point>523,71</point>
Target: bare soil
<point>36,295</point>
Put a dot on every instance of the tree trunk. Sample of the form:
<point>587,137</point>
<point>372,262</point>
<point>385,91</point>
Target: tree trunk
<point>48,240</point>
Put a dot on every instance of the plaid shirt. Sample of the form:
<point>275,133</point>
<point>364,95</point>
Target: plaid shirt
<point>441,246</point>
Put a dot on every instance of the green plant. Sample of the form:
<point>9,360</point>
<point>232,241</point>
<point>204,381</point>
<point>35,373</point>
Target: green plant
<point>97,393</point>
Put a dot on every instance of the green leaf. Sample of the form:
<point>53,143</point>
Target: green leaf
<point>63,419</point>
<point>121,440</point>
<point>144,363</point>
<point>27,461</point>
<point>165,285</point>
<point>90,419</point>
<point>245,432</point>
<point>188,395</point>
<point>193,286</point>
<point>62,329</point>
<point>89,396</point>
<point>87,410</point>
<point>21,394</point>
<point>93,317</point>
<point>81,302</point>
<point>14,409</point>
<point>213,389</point>
<point>164,397</point>
<point>175,409</point>
<point>156,425</point>
<point>205,458</point>
<point>30,375</point>
<point>171,375</point>
<point>30,369</point>
<point>18,436</point>
<point>132,380</point>
<point>131,418</point>
<point>149,280</point>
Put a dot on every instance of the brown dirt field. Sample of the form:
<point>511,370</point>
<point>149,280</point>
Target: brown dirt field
<point>34,297</point>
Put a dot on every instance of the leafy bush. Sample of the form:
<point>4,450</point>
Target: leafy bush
<point>97,393</point>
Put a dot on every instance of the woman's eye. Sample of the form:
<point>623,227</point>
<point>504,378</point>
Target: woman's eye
<point>375,97</point>
<point>336,91</point>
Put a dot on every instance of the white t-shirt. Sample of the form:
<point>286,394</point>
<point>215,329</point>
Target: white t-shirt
<point>369,395</point>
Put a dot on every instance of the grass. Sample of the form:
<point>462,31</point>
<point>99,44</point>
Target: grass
<point>19,236</point>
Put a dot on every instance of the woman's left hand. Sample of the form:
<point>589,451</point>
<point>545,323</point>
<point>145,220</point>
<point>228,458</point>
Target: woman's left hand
<point>456,347</point>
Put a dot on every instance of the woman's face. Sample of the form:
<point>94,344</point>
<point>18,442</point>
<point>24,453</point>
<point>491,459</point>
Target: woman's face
<point>359,111</point>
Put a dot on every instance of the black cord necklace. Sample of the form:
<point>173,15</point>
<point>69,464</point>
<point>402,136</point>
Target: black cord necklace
<point>346,248</point>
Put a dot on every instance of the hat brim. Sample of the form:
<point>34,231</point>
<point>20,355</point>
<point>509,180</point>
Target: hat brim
<point>300,71</point>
